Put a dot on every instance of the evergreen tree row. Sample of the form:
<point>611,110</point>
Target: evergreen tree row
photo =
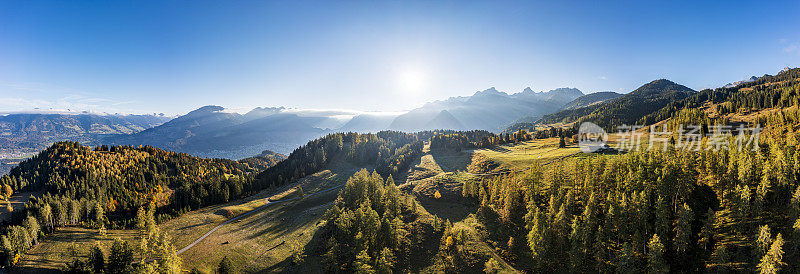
<point>650,211</point>
<point>374,228</point>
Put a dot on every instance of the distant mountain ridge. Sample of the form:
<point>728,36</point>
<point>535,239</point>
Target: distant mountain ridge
<point>368,123</point>
<point>211,132</point>
<point>444,120</point>
<point>556,95</point>
<point>25,133</point>
<point>488,109</point>
<point>748,80</point>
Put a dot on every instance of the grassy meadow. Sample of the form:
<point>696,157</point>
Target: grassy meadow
<point>57,249</point>
<point>523,154</point>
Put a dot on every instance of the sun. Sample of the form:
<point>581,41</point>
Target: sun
<point>412,81</point>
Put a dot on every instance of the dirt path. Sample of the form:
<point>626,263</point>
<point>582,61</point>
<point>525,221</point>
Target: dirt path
<point>267,203</point>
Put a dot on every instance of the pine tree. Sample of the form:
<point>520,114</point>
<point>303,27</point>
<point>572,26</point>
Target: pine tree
<point>74,212</point>
<point>32,226</point>
<point>46,217</point>
<point>763,243</point>
<point>120,257</point>
<point>795,200</point>
<point>102,231</point>
<point>7,191</point>
<point>141,219</point>
<point>97,260</point>
<point>707,232</point>
<point>386,261</point>
<point>683,231</point>
<point>743,202</point>
<point>167,261</point>
<point>492,266</point>
<point>772,261</point>
<point>298,254</point>
<point>8,249</point>
<point>626,261</point>
<point>99,213</point>
<point>795,242</point>
<point>663,226</point>
<point>362,263</point>
<point>602,250</point>
<point>655,256</point>
<point>761,192</point>
<point>538,237</point>
<point>721,257</point>
<point>577,240</point>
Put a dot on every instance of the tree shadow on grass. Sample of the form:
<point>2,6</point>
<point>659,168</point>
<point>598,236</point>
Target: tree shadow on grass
<point>450,161</point>
<point>292,216</point>
<point>193,226</point>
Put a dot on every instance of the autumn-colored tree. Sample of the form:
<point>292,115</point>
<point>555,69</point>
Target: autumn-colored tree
<point>772,261</point>
<point>7,191</point>
<point>655,256</point>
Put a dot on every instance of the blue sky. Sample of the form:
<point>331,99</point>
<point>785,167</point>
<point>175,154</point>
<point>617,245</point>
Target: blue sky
<point>175,56</point>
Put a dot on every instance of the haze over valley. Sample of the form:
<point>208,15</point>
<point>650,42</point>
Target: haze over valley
<point>213,131</point>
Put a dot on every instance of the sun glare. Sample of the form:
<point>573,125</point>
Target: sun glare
<point>412,81</point>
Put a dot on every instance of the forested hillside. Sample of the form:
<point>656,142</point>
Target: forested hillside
<point>649,212</point>
<point>778,95</point>
<point>591,99</point>
<point>389,151</point>
<point>459,140</point>
<point>123,178</point>
<point>677,210</point>
<point>105,186</point>
<point>264,160</point>
<point>374,228</point>
<point>627,109</point>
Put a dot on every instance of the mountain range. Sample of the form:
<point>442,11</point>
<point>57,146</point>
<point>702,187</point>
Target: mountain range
<point>489,109</point>
<point>626,109</point>
<point>734,84</point>
<point>213,131</point>
<point>22,134</point>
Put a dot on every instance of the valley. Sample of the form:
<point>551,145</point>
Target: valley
<point>415,136</point>
<point>268,236</point>
<point>25,134</point>
<point>8,163</point>
<point>437,201</point>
